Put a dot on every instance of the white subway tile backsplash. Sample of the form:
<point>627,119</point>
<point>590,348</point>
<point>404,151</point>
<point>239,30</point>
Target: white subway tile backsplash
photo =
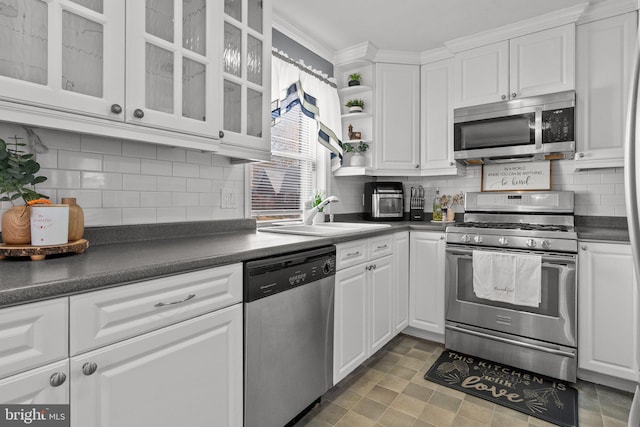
<point>121,164</point>
<point>57,139</point>
<point>195,185</point>
<point>100,144</point>
<point>85,198</point>
<point>186,170</point>
<point>201,213</point>
<point>49,159</point>
<point>613,178</point>
<point>612,199</point>
<point>156,167</point>
<point>185,199</point>
<point>139,149</point>
<point>155,199</point>
<point>57,178</point>
<point>601,188</point>
<point>171,154</point>
<point>172,183</point>
<point>75,160</point>
<point>139,182</point>
<point>102,216</point>
<point>585,178</point>
<point>138,215</point>
<point>210,199</point>
<point>120,199</point>
<point>101,180</point>
<point>211,172</point>
<point>171,214</point>
<point>199,158</point>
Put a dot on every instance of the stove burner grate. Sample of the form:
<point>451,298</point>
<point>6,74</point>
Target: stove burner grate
<point>517,226</point>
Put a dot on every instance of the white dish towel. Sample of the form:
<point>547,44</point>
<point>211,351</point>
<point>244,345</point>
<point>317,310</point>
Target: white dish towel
<point>511,278</point>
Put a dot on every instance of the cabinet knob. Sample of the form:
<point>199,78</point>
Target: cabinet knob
<point>513,95</point>
<point>417,166</point>
<point>57,379</point>
<point>138,113</point>
<point>89,368</point>
<point>504,96</point>
<point>450,163</point>
<point>221,134</point>
<point>583,247</point>
<point>441,237</point>
<point>116,109</point>
<point>581,155</point>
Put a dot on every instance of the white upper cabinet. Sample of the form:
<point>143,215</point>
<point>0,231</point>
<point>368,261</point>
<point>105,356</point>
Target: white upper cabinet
<point>397,119</point>
<point>246,74</point>
<point>65,55</point>
<point>534,64</point>
<point>436,119</point>
<point>605,60</point>
<point>172,58</point>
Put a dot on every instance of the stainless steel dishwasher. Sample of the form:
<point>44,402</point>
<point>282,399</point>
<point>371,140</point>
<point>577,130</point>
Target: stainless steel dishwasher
<point>288,339</point>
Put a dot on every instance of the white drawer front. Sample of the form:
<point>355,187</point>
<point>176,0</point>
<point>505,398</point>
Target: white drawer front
<point>380,246</point>
<point>32,335</point>
<point>351,253</point>
<point>111,315</point>
<point>37,386</point>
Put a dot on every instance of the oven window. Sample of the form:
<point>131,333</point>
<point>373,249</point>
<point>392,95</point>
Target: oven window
<point>499,132</point>
<point>549,290</point>
<point>389,205</point>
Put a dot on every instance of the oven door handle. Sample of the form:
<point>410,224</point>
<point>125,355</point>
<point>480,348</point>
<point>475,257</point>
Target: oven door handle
<point>546,259</point>
<point>511,341</point>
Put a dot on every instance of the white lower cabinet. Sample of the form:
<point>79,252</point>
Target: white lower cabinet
<point>45,385</point>
<point>186,374</point>
<point>607,311</point>
<point>365,302</point>
<point>426,283</point>
<point>401,281</point>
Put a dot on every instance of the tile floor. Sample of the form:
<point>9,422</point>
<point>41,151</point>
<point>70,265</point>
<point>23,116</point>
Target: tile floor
<point>389,390</point>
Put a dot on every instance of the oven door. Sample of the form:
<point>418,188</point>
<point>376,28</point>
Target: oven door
<point>554,321</point>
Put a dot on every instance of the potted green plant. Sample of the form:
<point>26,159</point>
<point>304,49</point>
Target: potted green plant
<point>18,178</point>
<point>355,105</point>
<point>354,79</point>
<point>358,150</point>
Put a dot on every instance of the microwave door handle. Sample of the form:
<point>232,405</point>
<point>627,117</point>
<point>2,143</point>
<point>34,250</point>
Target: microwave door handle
<point>538,129</point>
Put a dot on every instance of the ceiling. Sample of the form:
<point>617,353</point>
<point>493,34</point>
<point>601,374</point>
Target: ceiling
<point>405,25</point>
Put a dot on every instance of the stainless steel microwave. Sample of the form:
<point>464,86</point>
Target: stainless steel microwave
<point>533,128</point>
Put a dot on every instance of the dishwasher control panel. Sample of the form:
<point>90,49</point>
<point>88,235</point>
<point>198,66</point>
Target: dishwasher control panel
<point>269,276</point>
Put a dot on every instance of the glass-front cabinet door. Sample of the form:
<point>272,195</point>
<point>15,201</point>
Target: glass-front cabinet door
<point>246,74</point>
<point>64,54</point>
<point>172,65</point>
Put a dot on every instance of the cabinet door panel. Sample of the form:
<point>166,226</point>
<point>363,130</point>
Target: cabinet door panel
<point>63,55</point>
<point>397,117</point>
<point>381,290</point>
<point>401,280</point>
<point>33,334</point>
<point>482,75</point>
<point>34,387</point>
<point>350,321</point>
<point>543,62</point>
<point>608,311</point>
<point>185,374</point>
<point>426,309</point>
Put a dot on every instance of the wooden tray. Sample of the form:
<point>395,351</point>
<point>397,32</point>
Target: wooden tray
<point>37,253</point>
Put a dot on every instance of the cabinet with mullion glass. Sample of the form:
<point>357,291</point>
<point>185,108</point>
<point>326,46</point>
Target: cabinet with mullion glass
<point>246,76</point>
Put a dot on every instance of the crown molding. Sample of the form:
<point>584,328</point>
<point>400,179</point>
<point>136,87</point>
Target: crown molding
<point>517,29</point>
<point>434,55</point>
<point>397,57</point>
<point>361,52</point>
<point>303,39</point>
<point>607,9</point>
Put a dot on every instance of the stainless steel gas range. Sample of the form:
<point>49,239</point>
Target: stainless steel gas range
<point>511,288</point>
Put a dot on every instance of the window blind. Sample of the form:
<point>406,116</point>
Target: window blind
<point>280,188</point>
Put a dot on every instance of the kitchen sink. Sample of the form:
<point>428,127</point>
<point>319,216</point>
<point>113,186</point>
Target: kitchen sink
<point>324,229</point>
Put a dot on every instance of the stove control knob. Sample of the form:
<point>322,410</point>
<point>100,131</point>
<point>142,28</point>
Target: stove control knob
<point>477,239</point>
<point>465,238</point>
<point>503,241</point>
<point>531,243</point>
<point>546,244</point>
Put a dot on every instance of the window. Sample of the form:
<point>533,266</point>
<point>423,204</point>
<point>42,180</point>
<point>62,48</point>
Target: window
<point>280,188</point>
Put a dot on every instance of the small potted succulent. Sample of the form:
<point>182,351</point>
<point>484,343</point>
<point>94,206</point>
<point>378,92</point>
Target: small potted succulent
<point>316,199</point>
<point>18,178</point>
<point>358,150</point>
<point>355,105</point>
<point>354,79</point>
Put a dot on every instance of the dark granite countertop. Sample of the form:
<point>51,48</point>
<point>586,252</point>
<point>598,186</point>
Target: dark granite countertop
<point>606,229</point>
<point>111,260</point>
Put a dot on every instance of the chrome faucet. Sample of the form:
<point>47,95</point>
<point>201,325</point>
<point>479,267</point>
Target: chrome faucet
<point>311,213</point>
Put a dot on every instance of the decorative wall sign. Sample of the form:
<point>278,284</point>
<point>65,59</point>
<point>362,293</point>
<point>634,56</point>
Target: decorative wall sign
<point>517,176</point>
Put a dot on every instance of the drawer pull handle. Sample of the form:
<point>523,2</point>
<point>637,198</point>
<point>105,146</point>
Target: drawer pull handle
<point>89,368</point>
<point>354,253</point>
<point>385,246</point>
<point>163,304</point>
<point>57,379</point>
